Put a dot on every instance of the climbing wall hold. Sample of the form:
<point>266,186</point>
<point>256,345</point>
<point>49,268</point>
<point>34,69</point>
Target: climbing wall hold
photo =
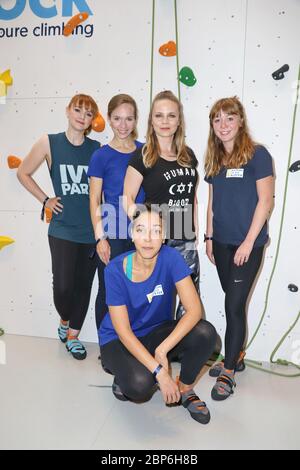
<point>98,123</point>
<point>1,332</point>
<point>5,81</point>
<point>292,288</point>
<point>168,49</point>
<point>73,22</point>
<point>4,241</point>
<point>279,74</point>
<point>48,214</point>
<point>13,162</point>
<point>187,77</point>
<point>295,167</point>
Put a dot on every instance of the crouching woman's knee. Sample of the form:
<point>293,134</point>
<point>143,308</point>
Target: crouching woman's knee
<point>140,387</point>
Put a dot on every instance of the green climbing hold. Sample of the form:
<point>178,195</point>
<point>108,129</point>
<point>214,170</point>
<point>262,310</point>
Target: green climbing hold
<point>187,77</point>
<point>1,332</point>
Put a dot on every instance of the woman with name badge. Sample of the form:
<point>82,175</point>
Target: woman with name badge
<point>71,237</point>
<point>107,171</point>
<point>138,336</point>
<point>241,189</point>
<point>166,169</point>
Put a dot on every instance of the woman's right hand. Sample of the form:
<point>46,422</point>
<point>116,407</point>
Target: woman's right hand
<point>168,387</point>
<point>103,250</point>
<point>209,251</point>
<point>54,204</point>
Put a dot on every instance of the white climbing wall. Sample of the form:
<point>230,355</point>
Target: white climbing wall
<point>232,46</point>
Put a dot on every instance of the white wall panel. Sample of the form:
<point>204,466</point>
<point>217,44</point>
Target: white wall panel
<point>233,46</point>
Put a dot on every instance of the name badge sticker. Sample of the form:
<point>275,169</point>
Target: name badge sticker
<point>235,173</point>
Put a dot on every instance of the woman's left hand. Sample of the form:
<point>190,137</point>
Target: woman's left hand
<point>242,253</point>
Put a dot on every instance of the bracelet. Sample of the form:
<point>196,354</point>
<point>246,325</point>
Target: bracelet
<point>207,238</point>
<point>92,254</point>
<point>103,237</point>
<point>43,208</point>
<point>156,371</point>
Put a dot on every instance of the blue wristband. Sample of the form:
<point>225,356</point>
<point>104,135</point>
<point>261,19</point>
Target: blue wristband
<point>156,371</point>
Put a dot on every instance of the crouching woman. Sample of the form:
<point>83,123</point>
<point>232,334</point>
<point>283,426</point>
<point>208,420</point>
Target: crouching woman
<point>138,336</point>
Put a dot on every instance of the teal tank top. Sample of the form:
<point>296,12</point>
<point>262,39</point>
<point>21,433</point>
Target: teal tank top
<point>70,182</point>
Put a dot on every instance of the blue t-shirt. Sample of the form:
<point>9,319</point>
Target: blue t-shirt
<point>235,199</point>
<point>111,165</point>
<point>149,303</point>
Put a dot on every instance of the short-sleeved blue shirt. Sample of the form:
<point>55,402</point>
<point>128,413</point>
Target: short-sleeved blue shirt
<point>110,165</point>
<point>149,303</point>
<point>235,199</point>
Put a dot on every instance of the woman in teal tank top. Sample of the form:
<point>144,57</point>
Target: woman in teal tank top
<point>71,237</point>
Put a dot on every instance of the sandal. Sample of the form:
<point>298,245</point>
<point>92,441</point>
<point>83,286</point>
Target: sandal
<point>223,387</point>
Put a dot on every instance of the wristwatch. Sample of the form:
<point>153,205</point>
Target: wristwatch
<point>207,238</point>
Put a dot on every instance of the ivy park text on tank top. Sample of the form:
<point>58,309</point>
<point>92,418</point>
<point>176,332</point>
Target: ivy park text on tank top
<point>70,182</point>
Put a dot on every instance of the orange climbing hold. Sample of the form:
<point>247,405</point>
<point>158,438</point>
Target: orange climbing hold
<point>98,123</point>
<point>169,49</point>
<point>73,22</point>
<point>13,162</point>
<point>48,213</point>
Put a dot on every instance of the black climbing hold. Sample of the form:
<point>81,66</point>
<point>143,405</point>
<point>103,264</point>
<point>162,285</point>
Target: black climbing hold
<point>279,74</point>
<point>295,166</point>
<point>293,288</point>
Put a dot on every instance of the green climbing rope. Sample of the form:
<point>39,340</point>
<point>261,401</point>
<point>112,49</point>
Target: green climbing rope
<point>177,48</point>
<point>279,361</point>
<point>255,364</point>
<point>152,52</point>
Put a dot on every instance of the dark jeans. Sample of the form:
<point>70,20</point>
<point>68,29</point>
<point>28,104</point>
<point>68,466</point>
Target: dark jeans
<point>117,248</point>
<point>236,282</point>
<point>73,274</point>
<point>136,381</point>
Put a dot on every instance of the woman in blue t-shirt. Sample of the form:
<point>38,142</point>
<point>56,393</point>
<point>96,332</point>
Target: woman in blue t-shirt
<point>107,172</point>
<point>138,336</point>
<point>241,188</point>
<point>70,231</point>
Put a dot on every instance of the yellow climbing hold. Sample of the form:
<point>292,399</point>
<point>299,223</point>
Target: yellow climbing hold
<point>4,241</point>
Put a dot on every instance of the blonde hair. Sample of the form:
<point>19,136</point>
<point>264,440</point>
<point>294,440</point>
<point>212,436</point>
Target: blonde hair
<point>87,102</point>
<point>151,149</point>
<point>117,101</point>
<point>244,145</point>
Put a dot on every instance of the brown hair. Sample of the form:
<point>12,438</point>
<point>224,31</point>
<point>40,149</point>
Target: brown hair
<point>244,145</point>
<point>151,149</point>
<point>87,102</point>
<point>117,101</point>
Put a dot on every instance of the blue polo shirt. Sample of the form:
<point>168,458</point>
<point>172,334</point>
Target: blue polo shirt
<point>149,303</point>
<point>110,165</point>
<point>235,199</point>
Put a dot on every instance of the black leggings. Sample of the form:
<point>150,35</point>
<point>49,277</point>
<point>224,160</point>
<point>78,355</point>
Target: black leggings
<point>236,282</point>
<point>73,274</point>
<point>136,381</point>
